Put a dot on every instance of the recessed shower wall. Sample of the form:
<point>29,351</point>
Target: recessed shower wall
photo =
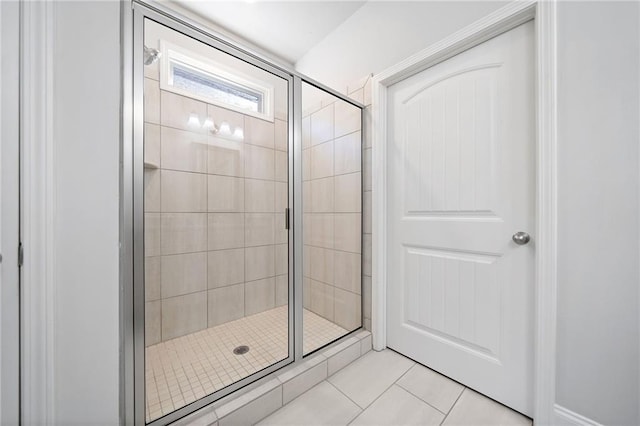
<point>332,205</point>
<point>212,252</point>
<point>223,299</point>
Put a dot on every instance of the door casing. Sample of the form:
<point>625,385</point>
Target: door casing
<point>502,20</point>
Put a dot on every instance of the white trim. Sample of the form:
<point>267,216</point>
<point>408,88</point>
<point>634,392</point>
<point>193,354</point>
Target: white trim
<point>502,20</point>
<point>37,188</point>
<point>566,417</point>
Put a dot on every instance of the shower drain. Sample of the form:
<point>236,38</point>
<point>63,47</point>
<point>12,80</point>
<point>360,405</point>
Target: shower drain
<point>241,350</point>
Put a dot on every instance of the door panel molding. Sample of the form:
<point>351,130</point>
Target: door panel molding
<point>38,182</point>
<point>504,19</point>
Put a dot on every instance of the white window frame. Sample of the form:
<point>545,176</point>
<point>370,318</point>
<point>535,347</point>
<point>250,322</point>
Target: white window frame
<point>171,53</point>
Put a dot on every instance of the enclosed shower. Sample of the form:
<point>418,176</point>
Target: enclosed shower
<point>247,201</point>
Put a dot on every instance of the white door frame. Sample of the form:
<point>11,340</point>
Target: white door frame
<point>502,20</point>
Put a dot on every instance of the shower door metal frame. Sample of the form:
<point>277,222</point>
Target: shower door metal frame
<point>140,13</point>
<point>132,388</point>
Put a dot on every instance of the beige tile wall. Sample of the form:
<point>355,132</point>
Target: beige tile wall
<point>332,204</point>
<point>214,209</point>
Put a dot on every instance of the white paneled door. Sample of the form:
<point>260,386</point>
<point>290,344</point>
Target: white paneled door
<point>461,185</point>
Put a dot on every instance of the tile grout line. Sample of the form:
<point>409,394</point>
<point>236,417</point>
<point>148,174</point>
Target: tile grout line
<point>453,406</point>
<point>383,392</point>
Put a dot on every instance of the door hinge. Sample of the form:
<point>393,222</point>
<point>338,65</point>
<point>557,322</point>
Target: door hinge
<point>20,255</point>
<point>287,220</point>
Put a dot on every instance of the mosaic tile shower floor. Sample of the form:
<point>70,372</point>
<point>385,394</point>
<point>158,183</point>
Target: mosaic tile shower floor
<point>183,370</point>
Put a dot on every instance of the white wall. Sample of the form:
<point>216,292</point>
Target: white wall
<point>597,360</point>
<point>86,116</point>
<point>381,33</point>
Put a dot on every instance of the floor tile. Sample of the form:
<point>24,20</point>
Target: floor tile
<point>322,405</point>
<point>368,377</point>
<point>433,388</point>
<point>398,407</point>
<point>184,369</point>
<point>475,409</point>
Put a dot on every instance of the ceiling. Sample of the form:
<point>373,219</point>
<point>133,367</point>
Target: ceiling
<point>287,29</point>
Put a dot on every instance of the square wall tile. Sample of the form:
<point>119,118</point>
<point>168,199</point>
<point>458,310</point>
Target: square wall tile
<point>281,231</point>
<point>306,292</point>
<point>225,194</point>
<point>366,214</point>
<point>348,232</point>
<point>347,118</point>
<point>152,144</point>
<point>151,278</point>
<point>152,190</point>
<point>321,197</point>
<point>322,125</point>
<point>184,314</point>
<point>225,304</point>
<point>321,299</point>
<point>184,233</point>
<point>225,157</point>
<point>182,150</point>
<point>347,309</point>
<point>151,101</point>
<point>366,297</point>
<point>260,295</point>
<point>259,162</point>
<point>152,323</point>
<point>321,230</point>
<point>184,274</point>
<point>282,196</point>
<point>306,164</point>
<point>348,193</point>
<point>225,267</point>
<point>232,118</point>
<point>282,259</point>
<point>226,230</point>
<point>259,196</point>
<point>321,262</point>
<point>348,271</point>
<point>322,160</point>
<point>152,225</point>
<point>259,132</point>
<point>306,132</point>
<point>366,254</point>
<point>281,135</point>
<point>176,110</point>
<point>259,262</point>
<point>259,229</point>
<point>282,290</point>
<point>348,154</point>
<point>183,192</point>
<point>282,166</point>
<point>307,196</point>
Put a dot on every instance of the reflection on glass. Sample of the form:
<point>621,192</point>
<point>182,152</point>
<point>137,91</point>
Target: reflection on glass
<point>216,250</point>
<point>332,221</point>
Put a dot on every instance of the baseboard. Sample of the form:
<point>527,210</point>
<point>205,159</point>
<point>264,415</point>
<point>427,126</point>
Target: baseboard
<point>566,417</point>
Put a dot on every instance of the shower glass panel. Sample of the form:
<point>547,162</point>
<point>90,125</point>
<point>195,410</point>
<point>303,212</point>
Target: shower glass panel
<point>216,247</point>
<point>332,219</point>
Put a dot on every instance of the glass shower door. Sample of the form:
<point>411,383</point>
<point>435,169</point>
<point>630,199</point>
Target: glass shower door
<point>216,246</point>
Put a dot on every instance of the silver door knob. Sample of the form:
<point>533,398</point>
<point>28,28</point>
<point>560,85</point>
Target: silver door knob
<point>521,238</point>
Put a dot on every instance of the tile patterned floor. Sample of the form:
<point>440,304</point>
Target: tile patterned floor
<point>185,369</point>
<point>385,388</point>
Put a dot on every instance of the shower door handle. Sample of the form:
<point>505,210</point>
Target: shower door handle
<point>287,220</point>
